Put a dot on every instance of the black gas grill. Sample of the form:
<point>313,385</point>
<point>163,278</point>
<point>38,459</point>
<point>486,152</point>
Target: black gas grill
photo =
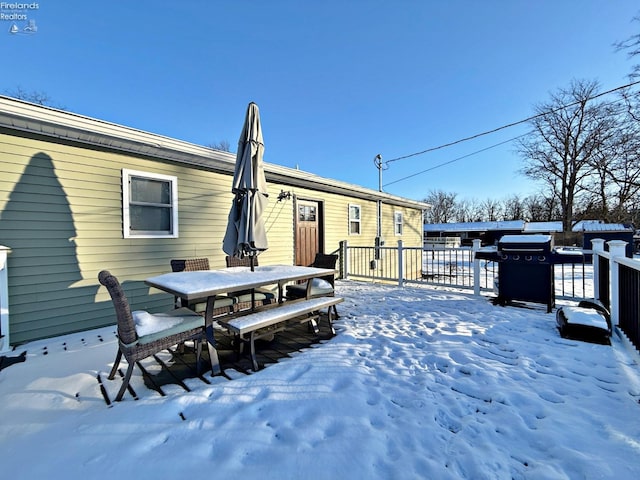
<point>525,269</point>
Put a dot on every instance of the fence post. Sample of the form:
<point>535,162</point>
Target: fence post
<point>597,245</point>
<point>400,265</point>
<point>477,243</point>
<point>4,300</point>
<point>617,248</point>
<point>344,257</point>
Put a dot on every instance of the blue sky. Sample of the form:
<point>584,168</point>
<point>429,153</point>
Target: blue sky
<point>337,81</point>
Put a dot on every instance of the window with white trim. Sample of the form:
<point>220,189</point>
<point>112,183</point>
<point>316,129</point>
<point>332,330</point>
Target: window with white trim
<point>149,205</point>
<point>397,223</point>
<point>354,219</point>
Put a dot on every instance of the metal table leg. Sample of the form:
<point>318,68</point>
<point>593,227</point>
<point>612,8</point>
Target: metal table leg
<point>211,340</point>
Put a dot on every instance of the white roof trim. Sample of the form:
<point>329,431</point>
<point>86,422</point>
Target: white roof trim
<point>28,117</point>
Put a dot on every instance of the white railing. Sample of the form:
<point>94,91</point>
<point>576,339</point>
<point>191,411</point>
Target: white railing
<point>4,301</point>
<point>450,267</point>
<point>434,266</point>
<point>618,286</point>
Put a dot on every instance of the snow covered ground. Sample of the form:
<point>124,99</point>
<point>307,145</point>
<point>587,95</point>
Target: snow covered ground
<point>418,383</point>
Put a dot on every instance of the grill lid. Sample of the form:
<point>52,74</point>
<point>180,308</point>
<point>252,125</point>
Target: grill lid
<point>526,243</point>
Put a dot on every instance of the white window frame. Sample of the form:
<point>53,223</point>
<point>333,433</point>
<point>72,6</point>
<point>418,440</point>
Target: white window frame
<point>126,202</point>
<point>358,220</point>
<point>396,223</point>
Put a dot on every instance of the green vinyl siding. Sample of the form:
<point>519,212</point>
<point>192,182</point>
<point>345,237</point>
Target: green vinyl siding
<point>61,216</point>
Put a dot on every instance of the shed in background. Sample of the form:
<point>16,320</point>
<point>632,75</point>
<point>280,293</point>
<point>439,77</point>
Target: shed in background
<point>591,229</point>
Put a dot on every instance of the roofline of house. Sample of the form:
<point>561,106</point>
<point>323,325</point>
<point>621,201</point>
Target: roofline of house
<point>51,122</point>
<point>494,226</point>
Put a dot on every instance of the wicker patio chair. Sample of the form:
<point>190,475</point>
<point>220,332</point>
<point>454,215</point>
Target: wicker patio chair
<point>321,287</point>
<point>262,296</point>
<point>240,262</point>
<point>185,325</point>
<point>190,264</point>
<point>224,305</point>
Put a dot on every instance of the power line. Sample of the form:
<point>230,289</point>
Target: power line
<point>508,125</point>
<point>456,159</point>
<point>468,155</point>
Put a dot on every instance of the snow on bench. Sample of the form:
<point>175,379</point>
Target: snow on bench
<point>265,322</point>
<point>585,316</point>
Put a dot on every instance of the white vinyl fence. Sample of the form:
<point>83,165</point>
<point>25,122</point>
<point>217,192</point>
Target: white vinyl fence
<point>617,286</point>
<point>454,267</point>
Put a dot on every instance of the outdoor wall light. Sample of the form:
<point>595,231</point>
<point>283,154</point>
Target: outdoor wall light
<point>284,195</point>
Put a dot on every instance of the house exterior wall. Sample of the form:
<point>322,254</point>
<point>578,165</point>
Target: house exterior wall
<point>61,216</point>
<point>336,218</point>
<point>411,237</point>
<point>411,230</point>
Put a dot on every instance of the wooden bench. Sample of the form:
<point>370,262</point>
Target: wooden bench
<point>269,320</point>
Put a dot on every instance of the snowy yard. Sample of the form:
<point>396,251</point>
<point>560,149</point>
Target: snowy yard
<point>418,383</point>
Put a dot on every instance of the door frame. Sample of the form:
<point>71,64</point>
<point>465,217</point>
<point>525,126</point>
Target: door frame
<point>320,217</point>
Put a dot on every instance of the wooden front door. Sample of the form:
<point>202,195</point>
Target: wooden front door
<point>308,231</point>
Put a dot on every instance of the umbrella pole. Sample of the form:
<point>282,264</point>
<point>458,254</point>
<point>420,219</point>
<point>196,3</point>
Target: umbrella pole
<point>253,290</point>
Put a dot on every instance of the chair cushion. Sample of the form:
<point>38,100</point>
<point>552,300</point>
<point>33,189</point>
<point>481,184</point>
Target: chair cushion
<point>319,287</point>
<point>320,283</point>
<point>260,294</point>
<point>153,326</point>
<point>221,301</point>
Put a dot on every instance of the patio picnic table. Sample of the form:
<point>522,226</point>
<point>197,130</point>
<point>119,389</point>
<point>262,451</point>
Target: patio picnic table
<point>208,284</point>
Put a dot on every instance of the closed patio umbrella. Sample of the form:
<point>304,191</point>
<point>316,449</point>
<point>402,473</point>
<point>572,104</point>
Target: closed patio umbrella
<point>246,234</point>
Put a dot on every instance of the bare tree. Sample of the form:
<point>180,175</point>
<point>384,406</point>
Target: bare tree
<point>513,208</point>
<point>39,98</point>
<point>462,211</point>
<point>629,141</point>
<point>222,145</point>
<point>442,207</point>
<point>626,176</point>
<point>551,208</point>
<point>468,211</point>
<point>632,46</point>
<point>492,210</point>
<point>622,172</point>
<point>568,133</point>
<point>625,170</point>
<point>533,208</point>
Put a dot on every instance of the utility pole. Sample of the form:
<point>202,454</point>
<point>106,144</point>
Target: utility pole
<point>378,163</point>
<point>379,242</point>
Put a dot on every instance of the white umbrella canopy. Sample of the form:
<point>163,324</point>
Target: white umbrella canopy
<point>246,234</point>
